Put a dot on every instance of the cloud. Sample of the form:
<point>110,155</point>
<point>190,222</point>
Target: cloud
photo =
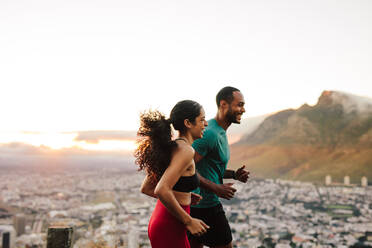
<point>18,148</point>
<point>31,132</point>
<point>351,102</point>
<point>20,154</point>
<point>94,137</point>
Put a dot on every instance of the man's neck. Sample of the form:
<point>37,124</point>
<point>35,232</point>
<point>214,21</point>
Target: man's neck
<point>222,121</point>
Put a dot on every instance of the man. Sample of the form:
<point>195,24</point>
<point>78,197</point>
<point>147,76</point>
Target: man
<point>211,156</point>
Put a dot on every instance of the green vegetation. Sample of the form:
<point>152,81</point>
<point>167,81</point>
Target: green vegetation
<point>340,207</point>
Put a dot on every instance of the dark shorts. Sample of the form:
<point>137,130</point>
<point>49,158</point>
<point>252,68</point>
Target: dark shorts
<point>219,232</point>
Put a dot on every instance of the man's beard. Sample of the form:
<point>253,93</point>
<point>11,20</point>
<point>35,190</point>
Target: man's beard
<point>231,117</point>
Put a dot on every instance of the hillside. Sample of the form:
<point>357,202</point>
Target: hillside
<point>332,137</point>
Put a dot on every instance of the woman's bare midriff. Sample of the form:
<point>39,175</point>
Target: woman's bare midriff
<point>183,198</point>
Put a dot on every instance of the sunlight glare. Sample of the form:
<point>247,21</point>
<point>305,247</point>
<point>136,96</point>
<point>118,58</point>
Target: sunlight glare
<point>108,145</point>
<point>58,141</point>
<point>52,140</point>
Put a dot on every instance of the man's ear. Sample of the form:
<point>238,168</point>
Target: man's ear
<point>187,123</point>
<point>224,104</point>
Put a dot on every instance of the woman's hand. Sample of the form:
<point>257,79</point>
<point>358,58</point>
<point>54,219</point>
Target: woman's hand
<point>197,227</point>
<point>195,198</point>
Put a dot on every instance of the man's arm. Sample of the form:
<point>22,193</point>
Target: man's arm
<point>229,174</point>
<point>240,174</point>
<point>225,190</point>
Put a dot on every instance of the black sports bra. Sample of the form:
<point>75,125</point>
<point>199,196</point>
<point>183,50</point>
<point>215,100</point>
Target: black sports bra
<point>187,183</point>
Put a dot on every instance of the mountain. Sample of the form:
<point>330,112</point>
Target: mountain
<point>332,137</point>
<point>246,126</point>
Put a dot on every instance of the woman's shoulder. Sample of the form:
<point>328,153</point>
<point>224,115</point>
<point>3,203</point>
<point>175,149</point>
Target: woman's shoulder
<point>185,149</point>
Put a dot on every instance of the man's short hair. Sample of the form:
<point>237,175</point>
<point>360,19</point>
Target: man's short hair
<point>226,93</point>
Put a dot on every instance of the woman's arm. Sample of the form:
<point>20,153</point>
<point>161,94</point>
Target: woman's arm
<point>148,187</point>
<point>163,190</point>
<point>181,158</point>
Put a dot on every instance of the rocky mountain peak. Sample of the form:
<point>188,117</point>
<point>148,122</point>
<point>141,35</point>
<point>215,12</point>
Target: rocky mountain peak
<point>349,102</point>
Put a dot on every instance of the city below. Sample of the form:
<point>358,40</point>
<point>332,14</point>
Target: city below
<point>106,209</point>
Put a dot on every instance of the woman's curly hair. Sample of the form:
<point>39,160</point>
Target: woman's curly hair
<point>155,144</point>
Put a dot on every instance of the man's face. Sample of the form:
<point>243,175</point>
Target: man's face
<point>236,108</point>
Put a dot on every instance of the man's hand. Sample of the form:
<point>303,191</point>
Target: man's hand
<point>225,191</point>
<point>242,175</point>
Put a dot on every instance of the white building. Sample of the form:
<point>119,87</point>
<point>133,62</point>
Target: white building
<point>328,180</point>
<point>7,232</point>
<point>133,238</point>
<point>347,180</point>
<point>364,182</point>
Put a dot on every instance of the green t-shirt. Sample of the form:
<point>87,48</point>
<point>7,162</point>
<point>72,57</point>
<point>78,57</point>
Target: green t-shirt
<point>214,148</point>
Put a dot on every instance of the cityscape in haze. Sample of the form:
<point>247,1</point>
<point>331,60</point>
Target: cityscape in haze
<point>75,76</point>
<point>96,192</point>
<point>106,209</point>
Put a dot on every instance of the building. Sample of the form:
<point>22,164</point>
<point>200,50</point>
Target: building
<point>364,182</point>
<point>328,180</point>
<point>7,236</point>
<point>133,239</point>
<point>347,180</point>
<point>5,240</point>
<point>19,222</point>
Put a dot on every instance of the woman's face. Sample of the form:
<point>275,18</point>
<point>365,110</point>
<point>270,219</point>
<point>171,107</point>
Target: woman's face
<point>199,125</point>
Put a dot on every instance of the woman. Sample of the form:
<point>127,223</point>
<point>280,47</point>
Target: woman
<point>170,172</point>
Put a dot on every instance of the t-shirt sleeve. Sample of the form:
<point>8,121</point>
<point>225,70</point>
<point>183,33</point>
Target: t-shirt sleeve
<point>205,144</point>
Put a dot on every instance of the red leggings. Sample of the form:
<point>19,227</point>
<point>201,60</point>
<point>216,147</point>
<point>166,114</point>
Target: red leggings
<point>165,231</point>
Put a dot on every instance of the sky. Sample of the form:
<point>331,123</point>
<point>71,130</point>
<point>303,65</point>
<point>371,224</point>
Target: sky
<point>73,66</point>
